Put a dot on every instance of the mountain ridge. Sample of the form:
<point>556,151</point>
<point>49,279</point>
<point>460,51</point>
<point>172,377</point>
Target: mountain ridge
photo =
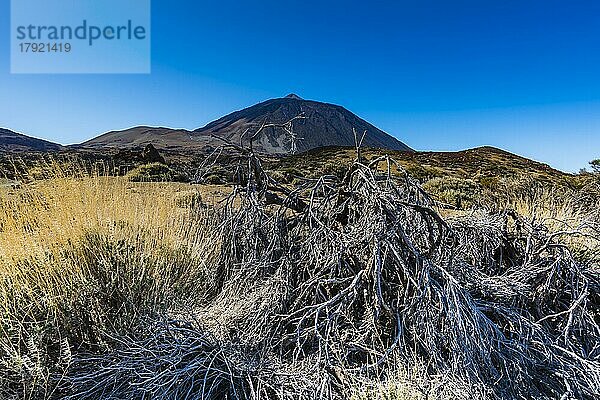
<point>323,124</point>
<point>11,141</point>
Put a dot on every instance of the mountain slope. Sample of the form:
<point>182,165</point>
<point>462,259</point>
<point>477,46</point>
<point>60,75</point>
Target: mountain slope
<point>15,142</point>
<point>161,138</point>
<point>478,163</point>
<point>323,125</point>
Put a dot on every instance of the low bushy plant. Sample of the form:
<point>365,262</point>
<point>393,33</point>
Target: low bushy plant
<point>460,193</point>
<point>155,172</point>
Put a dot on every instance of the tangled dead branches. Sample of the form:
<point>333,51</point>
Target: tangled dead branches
<point>368,269</point>
<point>331,284</point>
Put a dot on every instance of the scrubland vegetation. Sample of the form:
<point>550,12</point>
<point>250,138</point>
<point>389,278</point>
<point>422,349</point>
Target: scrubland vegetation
<point>355,284</point>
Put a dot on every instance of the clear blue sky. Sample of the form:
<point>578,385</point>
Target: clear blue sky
<point>439,75</point>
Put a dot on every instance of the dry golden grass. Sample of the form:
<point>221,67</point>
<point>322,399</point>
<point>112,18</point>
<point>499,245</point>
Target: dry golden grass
<point>51,213</point>
<point>84,256</point>
<point>48,214</point>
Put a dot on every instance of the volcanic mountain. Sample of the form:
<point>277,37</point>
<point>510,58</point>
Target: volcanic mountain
<point>320,124</point>
<point>15,142</point>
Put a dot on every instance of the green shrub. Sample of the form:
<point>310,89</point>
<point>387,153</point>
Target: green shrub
<point>460,193</point>
<point>154,172</point>
<point>216,175</point>
<point>338,169</point>
<point>423,173</point>
<point>489,182</point>
<point>290,174</point>
<point>214,179</point>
